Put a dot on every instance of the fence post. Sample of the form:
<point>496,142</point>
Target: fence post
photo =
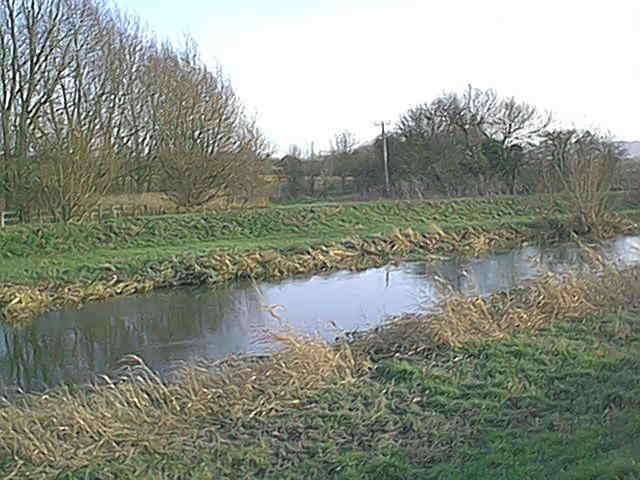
<point>4,217</point>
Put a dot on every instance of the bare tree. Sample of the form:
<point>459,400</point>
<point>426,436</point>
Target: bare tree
<point>79,78</point>
<point>580,165</point>
<point>344,142</point>
<point>295,151</point>
<point>468,140</point>
<point>73,174</point>
<point>514,127</point>
<point>343,148</point>
<point>35,42</point>
<point>437,144</point>
<point>206,136</point>
<point>79,129</point>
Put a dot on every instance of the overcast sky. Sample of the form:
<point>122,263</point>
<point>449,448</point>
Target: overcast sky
<point>309,69</point>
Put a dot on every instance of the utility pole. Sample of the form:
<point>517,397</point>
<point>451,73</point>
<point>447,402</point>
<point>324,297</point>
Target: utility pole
<point>385,158</point>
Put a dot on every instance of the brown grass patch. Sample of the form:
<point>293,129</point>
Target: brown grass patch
<point>138,410</point>
<point>547,299</point>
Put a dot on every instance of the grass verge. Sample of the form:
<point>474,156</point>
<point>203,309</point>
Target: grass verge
<point>315,222</point>
<point>539,382</point>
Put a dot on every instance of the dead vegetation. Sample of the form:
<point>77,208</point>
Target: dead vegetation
<point>137,410</point>
<point>551,297</point>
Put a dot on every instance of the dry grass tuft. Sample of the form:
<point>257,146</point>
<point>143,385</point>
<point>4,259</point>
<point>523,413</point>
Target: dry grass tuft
<point>546,299</point>
<point>139,411</point>
<point>23,303</point>
<point>549,298</point>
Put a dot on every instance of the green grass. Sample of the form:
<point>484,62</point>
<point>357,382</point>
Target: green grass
<point>69,266</point>
<point>33,254</point>
<point>312,221</point>
<point>563,403</point>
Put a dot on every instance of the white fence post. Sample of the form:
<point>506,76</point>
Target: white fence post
<point>3,218</point>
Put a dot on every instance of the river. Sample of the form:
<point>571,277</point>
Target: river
<point>167,328</point>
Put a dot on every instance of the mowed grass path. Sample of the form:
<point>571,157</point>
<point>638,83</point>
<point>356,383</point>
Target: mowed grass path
<point>562,403</point>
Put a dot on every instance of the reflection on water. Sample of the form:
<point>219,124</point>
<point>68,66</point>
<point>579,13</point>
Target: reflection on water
<point>181,325</point>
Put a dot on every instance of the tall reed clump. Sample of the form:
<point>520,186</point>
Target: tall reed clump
<point>578,167</point>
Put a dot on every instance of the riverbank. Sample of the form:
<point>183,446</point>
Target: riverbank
<point>53,266</point>
<point>539,382</point>
<point>319,221</point>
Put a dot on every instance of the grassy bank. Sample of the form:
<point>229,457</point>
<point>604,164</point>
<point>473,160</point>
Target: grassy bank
<point>31,254</point>
<point>320,221</point>
<point>140,274</point>
<point>313,221</point>
<point>540,382</point>
<point>48,267</point>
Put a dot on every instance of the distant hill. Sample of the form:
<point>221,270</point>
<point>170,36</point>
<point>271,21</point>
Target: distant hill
<point>632,148</point>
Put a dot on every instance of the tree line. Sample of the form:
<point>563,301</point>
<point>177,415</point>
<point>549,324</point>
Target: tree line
<point>475,143</point>
<point>91,103</point>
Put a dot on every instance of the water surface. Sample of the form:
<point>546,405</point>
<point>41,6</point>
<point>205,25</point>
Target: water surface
<point>169,327</point>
